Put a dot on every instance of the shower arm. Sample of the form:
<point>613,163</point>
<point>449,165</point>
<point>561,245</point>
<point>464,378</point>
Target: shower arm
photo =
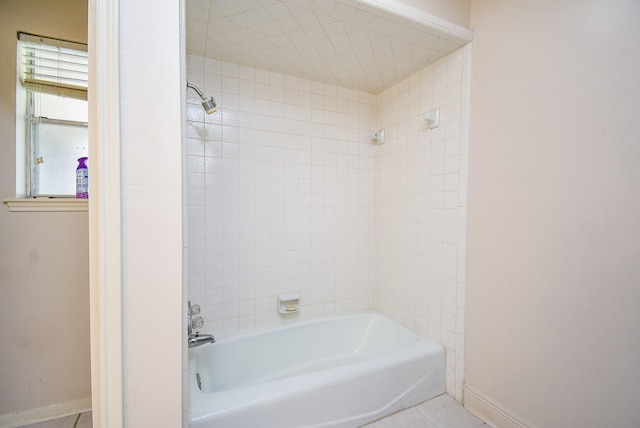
<point>208,104</point>
<point>195,88</point>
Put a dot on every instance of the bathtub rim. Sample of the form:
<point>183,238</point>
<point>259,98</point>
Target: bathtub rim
<point>292,323</point>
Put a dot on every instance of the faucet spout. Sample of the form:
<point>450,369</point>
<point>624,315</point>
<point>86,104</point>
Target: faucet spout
<point>200,339</point>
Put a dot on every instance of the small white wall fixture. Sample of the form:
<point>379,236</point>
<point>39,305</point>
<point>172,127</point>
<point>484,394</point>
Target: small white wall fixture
<point>432,118</point>
<point>378,137</point>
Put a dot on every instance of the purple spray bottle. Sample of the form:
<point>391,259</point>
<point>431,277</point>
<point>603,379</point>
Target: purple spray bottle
<point>82,179</point>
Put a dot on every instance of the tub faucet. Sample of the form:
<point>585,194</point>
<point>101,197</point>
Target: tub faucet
<point>200,339</point>
<point>194,325</point>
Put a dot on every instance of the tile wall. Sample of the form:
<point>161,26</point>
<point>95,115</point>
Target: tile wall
<point>280,196</point>
<point>421,199</point>
<point>287,192</point>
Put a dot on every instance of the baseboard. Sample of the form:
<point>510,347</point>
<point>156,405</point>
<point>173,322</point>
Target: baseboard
<point>491,412</point>
<point>47,413</point>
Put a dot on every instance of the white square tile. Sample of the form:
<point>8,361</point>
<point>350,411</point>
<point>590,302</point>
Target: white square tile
<point>407,418</point>
<point>64,422</point>
<point>444,411</point>
<point>85,420</point>
<point>310,144</point>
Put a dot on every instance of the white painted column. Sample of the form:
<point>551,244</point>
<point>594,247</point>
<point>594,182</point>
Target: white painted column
<point>137,311</point>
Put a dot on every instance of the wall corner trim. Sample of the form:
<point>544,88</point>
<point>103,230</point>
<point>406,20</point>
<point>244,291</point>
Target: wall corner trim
<point>491,412</point>
<point>46,413</point>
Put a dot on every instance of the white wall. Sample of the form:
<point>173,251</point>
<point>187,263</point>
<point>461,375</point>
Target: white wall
<point>280,195</point>
<point>554,209</point>
<point>44,260</point>
<point>421,199</point>
<point>151,156</point>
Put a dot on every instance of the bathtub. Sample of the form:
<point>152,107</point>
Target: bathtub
<point>341,371</point>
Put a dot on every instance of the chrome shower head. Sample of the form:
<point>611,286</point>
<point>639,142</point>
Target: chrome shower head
<point>208,104</point>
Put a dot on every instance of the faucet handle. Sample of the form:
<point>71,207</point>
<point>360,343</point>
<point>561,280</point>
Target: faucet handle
<point>194,310</point>
<point>197,323</point>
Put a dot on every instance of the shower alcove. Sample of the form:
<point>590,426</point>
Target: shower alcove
<point>287,192</point>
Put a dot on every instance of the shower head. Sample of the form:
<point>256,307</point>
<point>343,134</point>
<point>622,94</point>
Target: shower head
<point>208,103</point>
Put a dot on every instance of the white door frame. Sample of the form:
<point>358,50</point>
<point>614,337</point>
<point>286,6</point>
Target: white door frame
<point>105,215</point>
<point>136,98</point>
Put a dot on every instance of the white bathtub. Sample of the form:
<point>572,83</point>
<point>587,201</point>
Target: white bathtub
<point>331,372</point>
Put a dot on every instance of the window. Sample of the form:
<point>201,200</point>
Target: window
<point>52,114</point>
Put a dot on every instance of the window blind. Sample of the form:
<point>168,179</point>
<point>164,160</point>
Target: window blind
<point>53,66</point>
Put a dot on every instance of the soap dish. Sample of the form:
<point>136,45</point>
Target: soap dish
<point>288,303</point>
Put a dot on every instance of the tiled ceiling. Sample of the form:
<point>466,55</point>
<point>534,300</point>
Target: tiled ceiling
<point>360,44</point>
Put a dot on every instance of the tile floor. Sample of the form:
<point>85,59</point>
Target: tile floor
<point>440,412</point>
<point>83,420</point>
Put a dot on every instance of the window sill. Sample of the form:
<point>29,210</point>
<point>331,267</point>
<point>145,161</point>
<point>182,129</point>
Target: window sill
<point>47,205</point>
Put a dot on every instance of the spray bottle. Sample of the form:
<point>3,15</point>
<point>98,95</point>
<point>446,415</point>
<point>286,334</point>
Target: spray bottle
<point>82,179</point>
